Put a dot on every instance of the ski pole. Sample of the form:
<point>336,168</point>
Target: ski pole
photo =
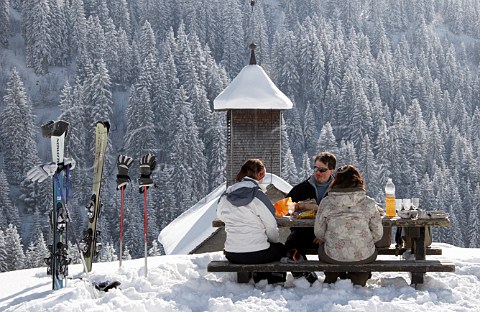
<point>122,197</point>
<point>145,224</point>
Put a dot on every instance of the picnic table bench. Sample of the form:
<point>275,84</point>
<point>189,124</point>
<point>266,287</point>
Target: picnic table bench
<point>417,267</point>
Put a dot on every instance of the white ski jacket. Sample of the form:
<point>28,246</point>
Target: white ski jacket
<point>248,216</point>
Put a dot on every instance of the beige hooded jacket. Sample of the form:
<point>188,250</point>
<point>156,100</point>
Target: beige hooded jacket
<point>349,223</point>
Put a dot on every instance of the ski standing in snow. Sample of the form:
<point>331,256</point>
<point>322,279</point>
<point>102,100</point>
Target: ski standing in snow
<point>94,205</point>
<point>58,260</point>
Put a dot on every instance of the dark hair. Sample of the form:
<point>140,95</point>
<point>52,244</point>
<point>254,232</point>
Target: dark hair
<point>250,169</point>
<point>348,176</point>
<point>328,159</point>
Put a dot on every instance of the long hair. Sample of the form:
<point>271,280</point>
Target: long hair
<point>348,176</point>
<point>250,169</point>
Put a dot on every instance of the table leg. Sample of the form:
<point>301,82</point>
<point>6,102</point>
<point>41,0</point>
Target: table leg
<point>420,250</point>
<point>243,277</point>
<point>416,278</point>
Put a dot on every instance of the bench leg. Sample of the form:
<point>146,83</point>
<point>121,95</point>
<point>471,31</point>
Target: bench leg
<point>416,278</point>
<point>243,277</point>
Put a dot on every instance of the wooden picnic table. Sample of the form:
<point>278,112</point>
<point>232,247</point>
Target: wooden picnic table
<point>417,267</point>
<point>425,219</point>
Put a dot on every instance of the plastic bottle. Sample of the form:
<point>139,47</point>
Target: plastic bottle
<point>390,198</point>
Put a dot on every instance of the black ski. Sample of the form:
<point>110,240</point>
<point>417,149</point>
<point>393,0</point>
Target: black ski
<point>106,285</point>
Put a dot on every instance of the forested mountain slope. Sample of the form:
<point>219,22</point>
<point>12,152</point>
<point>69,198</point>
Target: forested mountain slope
<point>390,86</point>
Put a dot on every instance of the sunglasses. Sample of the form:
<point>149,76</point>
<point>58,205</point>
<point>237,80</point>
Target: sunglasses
<point>343,169</point>
<point>322,170</point>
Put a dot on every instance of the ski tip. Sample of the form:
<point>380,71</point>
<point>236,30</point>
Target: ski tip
<point>54,128</point>
<point>104,123</point>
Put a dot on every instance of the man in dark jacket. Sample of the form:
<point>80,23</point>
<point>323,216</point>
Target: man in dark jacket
<point>314,188</point>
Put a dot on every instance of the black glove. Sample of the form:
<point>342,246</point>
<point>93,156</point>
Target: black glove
<point>123,164</point>
<point>147,165</point>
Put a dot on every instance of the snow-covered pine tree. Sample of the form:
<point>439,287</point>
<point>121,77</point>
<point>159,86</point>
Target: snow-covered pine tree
<point>154,250</point>
<point>17,117</point>
<point>140,135</point>
<point>346,154</point>
<point>216,151</point>
<point>368,167</point>
<point>60,45</point>
<point>147,42</point>
<point>107,254</point>
<point>3,252</point>
<point>295,132</point>
<point>417,136</point>
<point>126,254</point>
<point>4,23</point>
<point>381,151</point>
<point>166,199</point>
<point>120,14</point>
<point>36,252</point>
<point>77,25</point>
<point>8,210</point>
<point>15,258</point>
<point>289,169</point>
<point>310,130</point>
<point>306,169</point>
<point>133,223</point>
<point>36,15</point>
<point>473,236</point>
<point>73,253</point>
<point>71,103</point>
<point>181,157</point>
<point>233,37</point>
<point>100,9</point>
<point>326,141</point>
<point>124,54</point>
<point>288,79</point>
<point>96,45</point>
<point>168,82</point>
<point>111,57</point>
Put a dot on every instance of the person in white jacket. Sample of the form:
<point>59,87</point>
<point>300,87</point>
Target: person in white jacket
<point>250,225</point>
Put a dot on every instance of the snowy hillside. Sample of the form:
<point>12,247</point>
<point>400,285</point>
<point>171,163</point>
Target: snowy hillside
<point>181,283</point>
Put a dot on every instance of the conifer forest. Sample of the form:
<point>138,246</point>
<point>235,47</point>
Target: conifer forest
<point>391,86</point>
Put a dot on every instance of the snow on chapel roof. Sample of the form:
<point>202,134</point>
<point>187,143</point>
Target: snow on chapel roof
<point>252,89</point>
<point>194,226</point>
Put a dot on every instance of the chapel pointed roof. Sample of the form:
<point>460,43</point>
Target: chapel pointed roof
<point>252,89</point>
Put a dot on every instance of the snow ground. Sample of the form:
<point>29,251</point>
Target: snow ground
<point>181,283</point>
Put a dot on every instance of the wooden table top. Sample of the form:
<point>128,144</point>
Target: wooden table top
<point>431,218</point>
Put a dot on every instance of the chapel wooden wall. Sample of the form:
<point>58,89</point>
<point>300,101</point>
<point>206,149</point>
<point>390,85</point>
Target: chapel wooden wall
<point>253,133</point>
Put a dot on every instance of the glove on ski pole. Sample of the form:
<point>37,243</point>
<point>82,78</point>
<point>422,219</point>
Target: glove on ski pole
<point>147,165</point>
<point>123,164</point>
<point>41,172</point>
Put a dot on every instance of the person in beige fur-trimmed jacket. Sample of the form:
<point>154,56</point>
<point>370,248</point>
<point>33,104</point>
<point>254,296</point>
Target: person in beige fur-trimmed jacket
<point>348,223</point>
